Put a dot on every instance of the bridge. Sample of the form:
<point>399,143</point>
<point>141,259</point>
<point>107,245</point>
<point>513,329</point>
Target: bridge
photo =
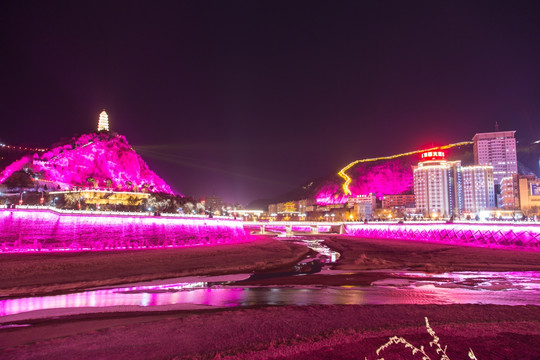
<point>289,227</point>
<point>523,235</point>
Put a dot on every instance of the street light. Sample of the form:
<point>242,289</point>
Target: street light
<point>21,200</point>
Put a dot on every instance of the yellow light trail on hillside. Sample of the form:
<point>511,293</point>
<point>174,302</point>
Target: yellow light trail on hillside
<point>348,179</point>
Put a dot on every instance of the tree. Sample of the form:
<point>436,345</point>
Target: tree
<point>92,181</point>
<point>530,211</point>
<point>19,180</point>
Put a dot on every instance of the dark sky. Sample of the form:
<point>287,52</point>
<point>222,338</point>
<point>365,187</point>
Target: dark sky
<point>249,99</point>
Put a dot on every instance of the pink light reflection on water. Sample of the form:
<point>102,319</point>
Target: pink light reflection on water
<point>500,288</point>
<point>144,296</point>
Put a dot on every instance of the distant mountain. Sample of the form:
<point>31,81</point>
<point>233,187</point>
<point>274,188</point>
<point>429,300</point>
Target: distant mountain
<point>100,160</point>
<point>305,191</point>
<point>529,158</point>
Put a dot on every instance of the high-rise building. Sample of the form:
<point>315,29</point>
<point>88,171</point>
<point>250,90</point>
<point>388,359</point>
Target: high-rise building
<point>437,185</point>
<point>509,199</point>
<point>497,149</point>
<point>478,188</point>
<point>103,123</point>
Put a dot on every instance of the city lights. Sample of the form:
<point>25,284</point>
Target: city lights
<point>342,173</point>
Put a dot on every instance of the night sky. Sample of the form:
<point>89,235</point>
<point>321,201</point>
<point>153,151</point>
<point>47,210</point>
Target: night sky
<point>249,99</point>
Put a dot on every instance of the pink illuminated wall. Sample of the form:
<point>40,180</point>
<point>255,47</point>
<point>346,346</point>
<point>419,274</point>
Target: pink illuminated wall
<point>41,230</point>
<point>482,235</point>
<point>100,160</point>
<point>298,228</point>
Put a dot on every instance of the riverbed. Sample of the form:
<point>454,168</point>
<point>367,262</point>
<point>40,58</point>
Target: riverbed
<point>389,286</point>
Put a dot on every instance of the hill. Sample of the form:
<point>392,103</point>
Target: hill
<point>388,175</point>
<point>98,160</point>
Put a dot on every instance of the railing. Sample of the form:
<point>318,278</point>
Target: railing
<point>525,236</point>
<point>41,229</point>
<point>108,212</point>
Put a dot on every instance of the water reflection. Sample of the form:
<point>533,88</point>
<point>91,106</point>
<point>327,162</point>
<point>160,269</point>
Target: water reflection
<point>483,280</point>
<point>510,288</point>
<point>326,255</point>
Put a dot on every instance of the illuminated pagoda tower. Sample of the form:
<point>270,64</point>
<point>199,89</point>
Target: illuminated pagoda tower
<point>103,123</point>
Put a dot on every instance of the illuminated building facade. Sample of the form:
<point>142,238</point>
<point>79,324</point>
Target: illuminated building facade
<point>521,192</point>
<point>289,210</point>
<point>497,149</point>
<point>101,198</point>
<point>478,188</point>
<point>363,205</point>
<point>437,185</point>
<point>398,201</point>
<point>529,195</point>
<point>369,199</point>
<point>509,199</point>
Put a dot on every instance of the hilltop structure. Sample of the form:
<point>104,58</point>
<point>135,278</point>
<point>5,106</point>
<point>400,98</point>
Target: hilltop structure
<point>103,122</point>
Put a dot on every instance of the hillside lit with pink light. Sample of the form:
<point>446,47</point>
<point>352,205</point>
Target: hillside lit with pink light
<point>98,160</point>
<point>381,177</point>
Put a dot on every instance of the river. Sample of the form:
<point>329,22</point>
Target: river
<point>393,287</point>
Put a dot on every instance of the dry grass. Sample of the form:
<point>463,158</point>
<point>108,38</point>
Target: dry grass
<point>367,254</point>
<point>396,340</point>
<point>289,332</point>
<point>49,272</point>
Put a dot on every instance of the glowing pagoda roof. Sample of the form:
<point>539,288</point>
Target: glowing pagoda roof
<point>103,122</point>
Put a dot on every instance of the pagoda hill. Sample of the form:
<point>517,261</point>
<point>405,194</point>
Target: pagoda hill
<point>100,160</point>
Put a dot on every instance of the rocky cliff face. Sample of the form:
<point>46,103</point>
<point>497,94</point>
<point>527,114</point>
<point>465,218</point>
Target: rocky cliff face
<point>100,160</point>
